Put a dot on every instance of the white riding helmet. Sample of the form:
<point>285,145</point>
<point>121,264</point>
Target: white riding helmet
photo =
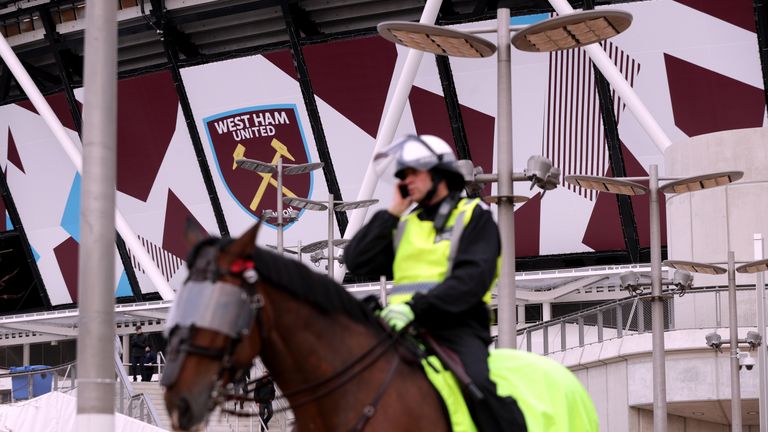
<point>424,152</point>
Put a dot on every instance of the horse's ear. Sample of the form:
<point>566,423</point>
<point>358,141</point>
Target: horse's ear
<point>194,233</point>
<point>246,244</point>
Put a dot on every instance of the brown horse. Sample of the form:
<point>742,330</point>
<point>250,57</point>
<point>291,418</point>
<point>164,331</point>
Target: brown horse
<point>336,365</point>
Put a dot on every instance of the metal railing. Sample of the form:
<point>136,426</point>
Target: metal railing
<point>37,382</point>
<point>283,417</point>
<point>701,308</point>
<point>253,422</point>
<point>160,365</point>
<point>130,403</point>
<point>61,378</point>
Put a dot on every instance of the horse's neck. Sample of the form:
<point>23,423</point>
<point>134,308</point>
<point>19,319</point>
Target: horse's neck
<point>305,346</point>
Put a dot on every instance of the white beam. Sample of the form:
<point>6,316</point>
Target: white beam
<point>549,295</point>
<point>42,328</point>
<point>150,314</point>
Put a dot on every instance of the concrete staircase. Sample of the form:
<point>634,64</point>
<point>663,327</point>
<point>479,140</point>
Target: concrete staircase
<point>218,421</point>
<point>154,393</point>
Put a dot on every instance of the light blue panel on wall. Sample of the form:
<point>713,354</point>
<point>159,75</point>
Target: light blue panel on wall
<point>70,220</point>
<point>528,19</point>
<point>123,287</point>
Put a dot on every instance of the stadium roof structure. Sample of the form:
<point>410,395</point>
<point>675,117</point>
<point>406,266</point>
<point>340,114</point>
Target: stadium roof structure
<point>47,35</point>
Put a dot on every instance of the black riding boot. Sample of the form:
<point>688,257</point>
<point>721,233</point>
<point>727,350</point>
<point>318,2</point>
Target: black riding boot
<point>496,414</point>
<point>492,413</point>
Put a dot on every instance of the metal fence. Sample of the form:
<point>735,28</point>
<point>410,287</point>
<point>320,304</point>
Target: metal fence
<point>130,403</point>
<point>31,383</point>
<point>702,308</point>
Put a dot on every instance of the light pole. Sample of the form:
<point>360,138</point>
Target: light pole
<point>628,186</point>
<point>332,207</point>
<point>760,267</point>
<point>96,264</point>
<point>564,32</point>
<point>734,326</point>
<point>540,173</point>
<point>266,170</point>
<point>750,267</point>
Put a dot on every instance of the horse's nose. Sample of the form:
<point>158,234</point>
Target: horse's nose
<point>183,417</point>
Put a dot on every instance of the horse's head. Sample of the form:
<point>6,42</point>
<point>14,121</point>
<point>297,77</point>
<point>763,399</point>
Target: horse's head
<point>217,306</point>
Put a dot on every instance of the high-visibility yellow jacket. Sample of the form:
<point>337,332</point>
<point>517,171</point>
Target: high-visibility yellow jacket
<point>423,258</point>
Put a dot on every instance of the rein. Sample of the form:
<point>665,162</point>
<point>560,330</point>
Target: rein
<point>376,350</point>
<point>336,381</point>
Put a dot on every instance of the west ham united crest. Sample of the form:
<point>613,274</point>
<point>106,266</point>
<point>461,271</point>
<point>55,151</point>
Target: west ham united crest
<point>263,133</point>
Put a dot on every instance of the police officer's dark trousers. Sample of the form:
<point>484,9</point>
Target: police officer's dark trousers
<point>493,413</point>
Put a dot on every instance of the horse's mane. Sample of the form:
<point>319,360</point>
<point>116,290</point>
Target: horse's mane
<point>304,284</point>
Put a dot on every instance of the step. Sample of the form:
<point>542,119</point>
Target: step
<point>154,393</point>
<point>217,421</point>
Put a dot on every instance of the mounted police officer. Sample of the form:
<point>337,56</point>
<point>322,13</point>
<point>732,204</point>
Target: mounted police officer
<point>443,256</point>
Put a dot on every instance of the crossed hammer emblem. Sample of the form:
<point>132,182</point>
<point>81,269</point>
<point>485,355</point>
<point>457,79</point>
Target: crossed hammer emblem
<point>266,178</point>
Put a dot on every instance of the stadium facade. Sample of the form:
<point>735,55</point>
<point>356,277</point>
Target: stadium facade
<point>227,80</point>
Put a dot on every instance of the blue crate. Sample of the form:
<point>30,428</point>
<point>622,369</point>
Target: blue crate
<point>41,382</point>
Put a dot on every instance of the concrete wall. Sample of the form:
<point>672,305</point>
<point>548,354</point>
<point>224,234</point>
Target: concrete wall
<point>642,421</point>
<point>618,377</point>
<point>703,226</point>
<point>710,309</point>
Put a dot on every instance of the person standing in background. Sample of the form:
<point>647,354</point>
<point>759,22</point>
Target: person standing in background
<point>264,394</point>
<point>139,344</point>
<point>148,364</point>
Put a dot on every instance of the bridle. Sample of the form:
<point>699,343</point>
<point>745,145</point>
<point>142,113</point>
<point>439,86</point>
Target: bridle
<point>196,307</point>
<point>216,305</point>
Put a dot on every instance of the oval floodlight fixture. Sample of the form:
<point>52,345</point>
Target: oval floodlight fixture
<point>494,199</point>
<point>323,244</point>
<point>706,181</point>
<point>436,40</point>
<point>572,30</point>
<point>351,205</point>
<point>256,166</point>
<point>607,184</point>
<point>305,203</point>
<point>695,267</point>
<point>293,169</point>
<point>753,267</point>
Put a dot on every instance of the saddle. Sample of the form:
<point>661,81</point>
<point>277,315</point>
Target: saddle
<point>451,361</point>
<point>550,396</point>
